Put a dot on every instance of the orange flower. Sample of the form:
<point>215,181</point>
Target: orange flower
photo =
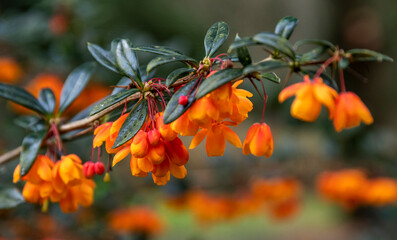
<point>139,220</point>
<point>259,140</point>
<point>184,126</point>
<point>309,96</point>
<point>350,111</point>
<point>381,191</point>
<point>10,71</point>
<point>216,135</point>
<point>74,195</point>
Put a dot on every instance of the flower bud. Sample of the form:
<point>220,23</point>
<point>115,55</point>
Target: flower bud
<point>99,168</point>
<point>183,100</point>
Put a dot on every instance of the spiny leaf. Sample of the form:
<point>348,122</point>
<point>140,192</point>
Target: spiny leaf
<point>243,54</point>
<point>174,110</point>
<point>74,84</point>
<point>105,58</point>
<point>265,66</point>
<point>218,79</point>
<point>215,37</point>
<point>275,42</point>
<point>113,99</point>
<point>367,55</point>
<point>271,77</point>
<point>157,50</point>
<point>132,124</point>
<point>30,147</point>
<point>127,60</point>
<point>286,26</point>
<point>47,100</point>
<point>10,197</point>
<point>21,97</point>
<point>168,59</point>
<point>177,74</point>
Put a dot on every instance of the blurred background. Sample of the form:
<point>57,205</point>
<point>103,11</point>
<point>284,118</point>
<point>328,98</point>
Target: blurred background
<point>42,41</point>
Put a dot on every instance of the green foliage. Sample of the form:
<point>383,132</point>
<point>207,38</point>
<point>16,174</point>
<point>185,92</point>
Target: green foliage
<point>243,54</point>
<point>47,100</point>
<point>10,197</point>
<point>363,55</point>
<point>158,61</point>
<point>271,77</point>
<point>177,74</point>
<point>166,51</point>
<point>275,42</point>
<point>30,147</point>
<point>265,66</point>
<point>285,27</point>
<point>112,99</point>
<point>215,37</point>
<point>127,60</point>
<point>105,58</point>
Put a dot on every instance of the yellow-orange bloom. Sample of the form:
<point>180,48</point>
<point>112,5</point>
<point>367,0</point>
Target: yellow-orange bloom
<point>75,195</point>
<point>309,96</point>
<point>216,135</point>
<point>140,220</point>
<point>381,191</point>
<point>10,71</point>
<point>350,111</point>
<point>259,140</point>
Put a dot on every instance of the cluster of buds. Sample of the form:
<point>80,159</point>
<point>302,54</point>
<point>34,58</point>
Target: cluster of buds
<point>90,169</point>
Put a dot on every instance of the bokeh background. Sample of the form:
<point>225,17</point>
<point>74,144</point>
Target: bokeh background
<point>47,39</point>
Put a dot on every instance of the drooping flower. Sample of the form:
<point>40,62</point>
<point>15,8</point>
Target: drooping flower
<point>309,97</point>
<point>259,140</point>
<point>216,135</point>
<point>350,111</point>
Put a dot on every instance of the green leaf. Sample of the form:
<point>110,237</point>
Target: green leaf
<point>21,97</point>
<point>112,99</point>
<point>10,197</point>
<point>265,66</point>
<point>343,63</point>
<point>177,74</point>
<point>319,42</point>
<point>218,79</point>
<point>105,58</point>
<point>127,60</point>
<point>74,84</point>
<point>174,110</point>
<point>275,42</point>
<point>238,43</point>
<point>286,26</point>
<point>243,54</point>
<point>30,147</point>
<point>124,81</point>
<point>215,37</point>
<point>30,123</point>
<point>47,100</point>
<point>157,50</point>
<point>367,55</point>
<point>271,77</point>
<point>312,55</point>
<point>132,124</point>
<point>168,59</point>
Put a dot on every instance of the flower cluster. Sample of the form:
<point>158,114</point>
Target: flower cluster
<point>345,109</point>
<point>62,182</point>
<point>136,220</point>
<point>156,148</point>
<point>351,188</point>
<point>281,197</point>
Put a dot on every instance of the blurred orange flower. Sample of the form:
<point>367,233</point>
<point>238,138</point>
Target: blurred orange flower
<point>10,71</point>
<point>309,96</point>
<point>136,220</point>
<point>350,111</point>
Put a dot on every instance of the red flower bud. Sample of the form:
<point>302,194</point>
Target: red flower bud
<point>183,100</point>
<point>89,169</point>
<point>99,168</point>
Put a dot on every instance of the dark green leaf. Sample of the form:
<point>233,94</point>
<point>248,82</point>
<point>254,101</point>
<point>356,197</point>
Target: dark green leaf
<point>243,54</point>
<point>30,123</point>
<point>312,55</point>
<point>319,42</point>
<point>286,26</point>
<point>132,124</point>
<point>177,74</point>
<point>215,37</point>
<point>47,100</point>
<point>174,110</point>
<point>265,66</point>
<point>168,59</point>
<point>10,197</point>
<point>74,84</point>
<point>367,55</point>
<point>30,147</point>
<point>238,43</point>
<point>20,96</point>
<point>124,81</point>
<point>127,60</point>
<point>271,77</point>
<point>157,50</point>
<point>275,42</point>
<point>105,58</point>
<point>218,79</point>
<point>112,99</point>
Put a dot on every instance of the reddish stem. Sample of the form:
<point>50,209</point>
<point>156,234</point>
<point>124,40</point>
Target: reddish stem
<point>264,105</point>
<point>325,65</point>
<point>342,80</point>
